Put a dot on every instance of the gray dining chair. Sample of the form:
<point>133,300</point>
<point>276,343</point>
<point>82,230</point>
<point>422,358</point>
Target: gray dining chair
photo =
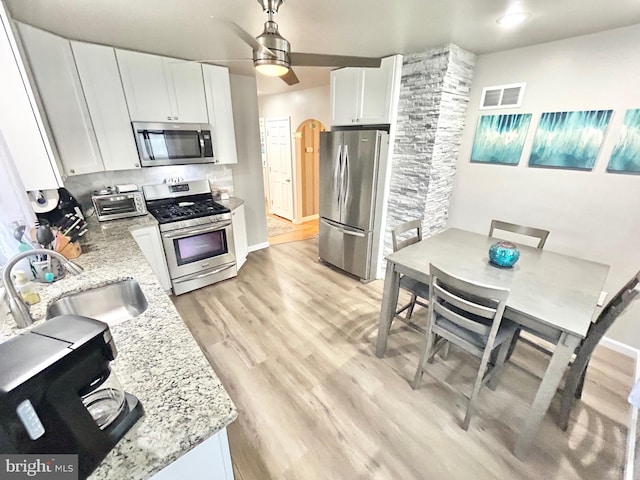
<point>468,315</point>
<point>538,233</point>
<point>402,236</point>
<point>577,371</point>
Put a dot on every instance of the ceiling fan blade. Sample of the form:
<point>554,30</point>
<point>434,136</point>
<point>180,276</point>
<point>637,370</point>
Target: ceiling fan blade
<point>290,77</point>
<point>246,37</point>
<point>320,60</point>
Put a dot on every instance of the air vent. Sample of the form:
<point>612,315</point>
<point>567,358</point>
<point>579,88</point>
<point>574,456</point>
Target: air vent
<point>502,96</point>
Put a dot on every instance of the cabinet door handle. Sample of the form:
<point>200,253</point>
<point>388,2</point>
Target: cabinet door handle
<point>169,117</point>
<point>175,118</point>
<point>136,165</point>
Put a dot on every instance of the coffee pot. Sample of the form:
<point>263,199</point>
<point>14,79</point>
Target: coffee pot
<point>58,394</point>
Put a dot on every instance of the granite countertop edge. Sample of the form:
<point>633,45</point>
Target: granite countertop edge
<point>159,361</point>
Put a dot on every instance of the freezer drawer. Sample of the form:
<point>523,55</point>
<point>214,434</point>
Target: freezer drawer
<point>346,248</point>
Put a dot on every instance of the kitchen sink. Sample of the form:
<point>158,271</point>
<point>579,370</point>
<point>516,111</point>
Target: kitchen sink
<point>113,303</point>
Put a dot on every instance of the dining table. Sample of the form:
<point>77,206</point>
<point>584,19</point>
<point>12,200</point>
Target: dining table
<point>551,294</point>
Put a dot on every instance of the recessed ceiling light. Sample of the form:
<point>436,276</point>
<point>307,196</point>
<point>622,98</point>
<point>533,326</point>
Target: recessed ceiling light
<point>513,19</point>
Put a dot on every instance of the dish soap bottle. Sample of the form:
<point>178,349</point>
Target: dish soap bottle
<point>27,289</point>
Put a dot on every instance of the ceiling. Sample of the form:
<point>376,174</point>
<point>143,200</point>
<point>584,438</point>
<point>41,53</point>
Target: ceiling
<point>185,28</point>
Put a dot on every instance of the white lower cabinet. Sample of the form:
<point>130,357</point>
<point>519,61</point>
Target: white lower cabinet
<point>211,460</point>
<point>149,241</point>
<point>239,224</point>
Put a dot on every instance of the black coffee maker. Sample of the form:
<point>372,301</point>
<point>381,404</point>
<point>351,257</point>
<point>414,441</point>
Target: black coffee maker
<point>58,394</point>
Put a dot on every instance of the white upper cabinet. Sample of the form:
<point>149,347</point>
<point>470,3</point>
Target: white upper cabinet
<point>103,91</point>
<point>56,77</point>
<point>160,89</point>
<point>365,96</point>
<point>345,84</point>
<point>218,93</point>
<point>20,122</point>
<point>189,98</point>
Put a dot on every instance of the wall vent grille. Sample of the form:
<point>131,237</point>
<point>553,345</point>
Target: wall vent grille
<point>502,96</point>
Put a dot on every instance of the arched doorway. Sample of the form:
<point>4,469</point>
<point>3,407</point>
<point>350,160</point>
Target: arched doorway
<point>308,165</point>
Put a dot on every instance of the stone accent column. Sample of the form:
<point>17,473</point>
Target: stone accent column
<point>434,93</point>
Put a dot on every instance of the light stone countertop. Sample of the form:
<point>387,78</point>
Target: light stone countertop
<point>158,359</point>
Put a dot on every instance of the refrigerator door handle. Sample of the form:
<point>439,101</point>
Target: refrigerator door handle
<point>336,172</point>
<point>346,231</point>
<point>345,175</point>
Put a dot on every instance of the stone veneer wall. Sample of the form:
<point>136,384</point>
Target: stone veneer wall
<point>434,93</point>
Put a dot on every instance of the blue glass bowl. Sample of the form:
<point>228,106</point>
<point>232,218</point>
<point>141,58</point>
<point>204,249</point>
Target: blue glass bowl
<point>503,254</point>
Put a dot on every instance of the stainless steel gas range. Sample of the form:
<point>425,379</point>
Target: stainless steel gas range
<point>196,234</point>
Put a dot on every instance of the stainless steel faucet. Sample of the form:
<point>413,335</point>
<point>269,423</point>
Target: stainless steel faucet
<point>19,309</point>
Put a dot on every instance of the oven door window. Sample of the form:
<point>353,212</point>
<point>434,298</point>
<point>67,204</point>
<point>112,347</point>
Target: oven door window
<point>169,144</point>
<point>113,207</point>
<point>200,247</point>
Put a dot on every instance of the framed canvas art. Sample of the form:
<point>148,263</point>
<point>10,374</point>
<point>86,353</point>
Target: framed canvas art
<point>569,140</point>
<point>500,138</point>
<point>626,154</point>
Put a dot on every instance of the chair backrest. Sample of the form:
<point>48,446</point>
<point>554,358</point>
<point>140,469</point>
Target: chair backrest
<point>538,233</point>
<point>614,308</point>
<point>462,302</point>
<point>414,236</point>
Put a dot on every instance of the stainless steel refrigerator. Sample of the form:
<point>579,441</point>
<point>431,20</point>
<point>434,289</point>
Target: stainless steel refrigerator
<point>352,177</point>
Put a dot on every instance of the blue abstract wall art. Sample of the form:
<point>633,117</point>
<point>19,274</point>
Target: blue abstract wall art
<point>500,138</point>
<point>626,154</point>
<point>569,140</point>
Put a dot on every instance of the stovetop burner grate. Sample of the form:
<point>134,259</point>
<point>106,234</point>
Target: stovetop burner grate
<point>173,210</point>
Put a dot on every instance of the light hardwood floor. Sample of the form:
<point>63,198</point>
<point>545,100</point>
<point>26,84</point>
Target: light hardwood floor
<point>301,231</point>
<point>293,343</point>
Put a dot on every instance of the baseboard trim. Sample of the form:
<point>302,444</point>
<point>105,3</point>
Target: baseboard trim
<point>620,347</point>
<point>309,218</point>
<point>258,246</point>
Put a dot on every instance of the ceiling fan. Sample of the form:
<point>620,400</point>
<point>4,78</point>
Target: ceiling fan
<point>272,53</point>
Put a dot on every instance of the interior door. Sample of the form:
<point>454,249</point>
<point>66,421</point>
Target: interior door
<point>279,166</point>
<point>330,164</point>
<point>359,178</point>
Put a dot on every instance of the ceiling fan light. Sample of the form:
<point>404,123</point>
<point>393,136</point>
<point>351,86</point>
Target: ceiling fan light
<point>272,70</point>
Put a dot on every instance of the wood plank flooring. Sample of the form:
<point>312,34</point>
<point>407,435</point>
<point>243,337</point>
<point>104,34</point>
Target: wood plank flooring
<point>293,342</point>
<point>301,231</point>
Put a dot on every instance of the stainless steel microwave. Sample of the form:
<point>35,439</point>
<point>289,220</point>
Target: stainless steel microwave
<point>173,143</point>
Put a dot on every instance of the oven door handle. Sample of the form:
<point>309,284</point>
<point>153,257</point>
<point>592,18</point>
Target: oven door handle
<point>207,274</point>
<point>196,231</point>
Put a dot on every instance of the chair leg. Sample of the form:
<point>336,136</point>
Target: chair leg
<point>512,345</point>
<point>412,305</point>
<point>476,389</point>
<point>423,361</point>
<point>578,393</point>
<point>573,387</point>
<point>503,354</point>
<point>445,350</point>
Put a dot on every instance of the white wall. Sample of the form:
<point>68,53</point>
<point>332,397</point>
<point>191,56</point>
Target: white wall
<point>247,174</point>
<point>593,215</point>
<point>299,105</point>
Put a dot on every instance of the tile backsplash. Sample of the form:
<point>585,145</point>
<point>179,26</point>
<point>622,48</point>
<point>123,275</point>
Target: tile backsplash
<point>81,186</point>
